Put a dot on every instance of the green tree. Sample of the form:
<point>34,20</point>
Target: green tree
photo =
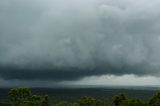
<point>118,99</point>
<point>45,101</point>
<point>87,101</point>
<point>13,94</point>
<point>135,102</point>
<point>18,94</point>
<point>35,98</point>
<point>155,100</point>
<point>22,96</point>
<point>101,101</point>
<point>66,104</point>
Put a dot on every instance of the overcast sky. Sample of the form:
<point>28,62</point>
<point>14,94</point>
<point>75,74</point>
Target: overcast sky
<point>85,42</point>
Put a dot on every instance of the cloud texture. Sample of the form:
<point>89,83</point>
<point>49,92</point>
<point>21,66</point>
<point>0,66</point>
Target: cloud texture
<point>67,40</point>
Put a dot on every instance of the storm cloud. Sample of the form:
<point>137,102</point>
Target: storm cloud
<point>68,40</point>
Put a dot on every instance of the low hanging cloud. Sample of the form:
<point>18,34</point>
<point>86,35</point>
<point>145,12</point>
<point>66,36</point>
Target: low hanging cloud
<point>67,40</point>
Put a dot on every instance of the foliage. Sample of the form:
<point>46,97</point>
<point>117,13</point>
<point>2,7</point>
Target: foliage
<point>66,104</point>
<point>155,100</point>
<point>23,97</point>
<point>6,104</point>
<point>117,100</point>
<point>90,101</point>
<point>87,101</point>
<point>136,102</point>
<point>19,94</point>
<point>45,101</point>
<point>101,101</point>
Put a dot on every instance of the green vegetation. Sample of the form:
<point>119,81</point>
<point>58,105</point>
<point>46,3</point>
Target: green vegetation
<point>23,97</point>
<point>155,100</point>
<point>119,99</point>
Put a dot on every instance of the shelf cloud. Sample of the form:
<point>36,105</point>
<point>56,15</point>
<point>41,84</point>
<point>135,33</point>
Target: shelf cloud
<point>68,40</point>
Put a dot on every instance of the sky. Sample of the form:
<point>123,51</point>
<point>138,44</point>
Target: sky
<point>79,42</point>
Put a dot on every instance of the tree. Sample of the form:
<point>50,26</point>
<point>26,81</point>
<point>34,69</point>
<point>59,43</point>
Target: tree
<point>133,102</point>
<point>45,101</point>
<point>13,94</point>
<point>155,100</point>
<point>35,98</point>
<point>118,99</point>
<point>87,101</point>
<point>66,104</point>
<point>101,101</point>
<point>18,94</point>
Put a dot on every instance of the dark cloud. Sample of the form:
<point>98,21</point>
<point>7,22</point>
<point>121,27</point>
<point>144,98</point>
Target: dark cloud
<point>71,73</point>
<point>67,40</point>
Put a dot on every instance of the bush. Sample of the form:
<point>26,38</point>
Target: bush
<point>5,104</point>
<point>117,100</point>
<point>155,100</point>
<point>87,101</point>
<point>133,103</point>
<point>66,104</point>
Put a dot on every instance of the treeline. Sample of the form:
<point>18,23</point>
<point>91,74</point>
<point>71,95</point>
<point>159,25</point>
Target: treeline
<point>23,97</point>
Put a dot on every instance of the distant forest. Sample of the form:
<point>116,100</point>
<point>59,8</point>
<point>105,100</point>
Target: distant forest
<point>22,96</point>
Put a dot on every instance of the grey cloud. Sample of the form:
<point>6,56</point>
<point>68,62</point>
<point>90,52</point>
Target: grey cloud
<point>67,40</point>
